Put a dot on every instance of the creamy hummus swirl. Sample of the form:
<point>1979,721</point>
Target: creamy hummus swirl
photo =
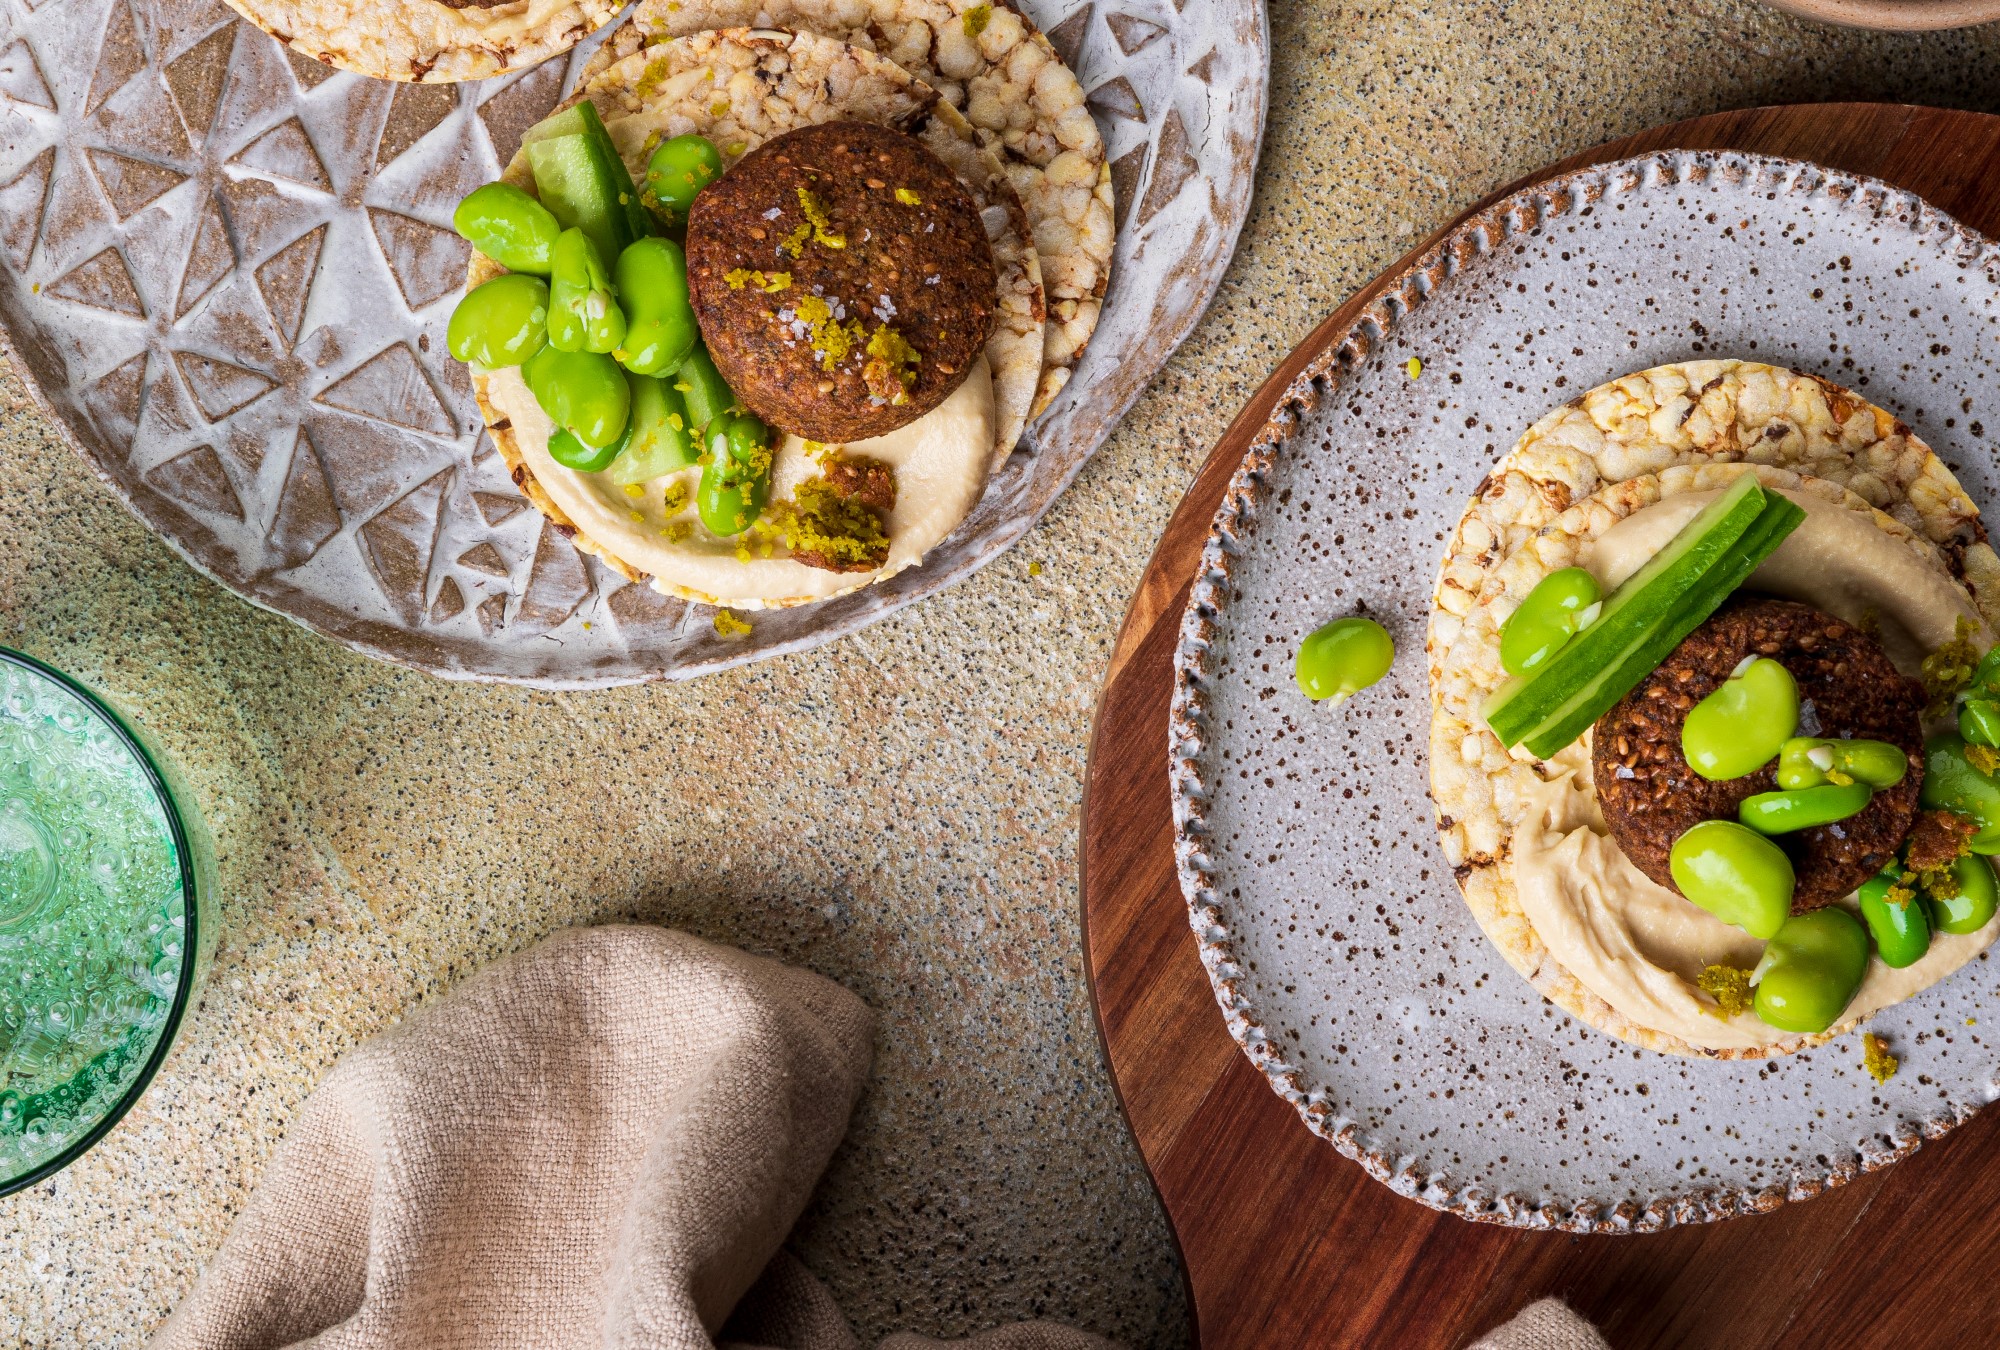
<point>940,462</point>
<point>1632,942</point>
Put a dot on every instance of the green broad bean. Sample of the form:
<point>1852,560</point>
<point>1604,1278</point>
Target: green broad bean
<point>708,394</point>
<point>661,330</point>
<point>1741,726</point>
<point>1978,897</point>
<point>1547,619</point>
<point>659,439</point>
<point>587,394</point>
<point>1339,659</point>
<point>572,453</point>
<point>500,323</point>
<point>1806,762</point>
<point>1735,874</point>
<point>1986,675</point>
<point>1979,721</point>
<point>736,477</point>
<point>1902,932</point>
<point>1810,971</point>
<point>679,169</point>
<point>1953,783</point>
<point>1803,808</point>
<point>584,314</point>
<point>509,226</point>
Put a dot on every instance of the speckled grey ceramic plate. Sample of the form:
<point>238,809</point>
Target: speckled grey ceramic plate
<point>227,269</point>
<point>1343,957</point>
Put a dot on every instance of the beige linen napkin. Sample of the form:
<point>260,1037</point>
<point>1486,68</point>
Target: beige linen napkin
<point>600,1142</point>
<point>1547,1324</point>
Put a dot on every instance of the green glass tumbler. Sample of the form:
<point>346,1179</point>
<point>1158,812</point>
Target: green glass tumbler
<point>107,919</point>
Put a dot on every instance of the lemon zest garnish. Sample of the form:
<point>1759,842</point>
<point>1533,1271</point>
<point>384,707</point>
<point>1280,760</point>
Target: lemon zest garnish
<point>634,490</point>
<point>729,626</point>
<point>822,224</point>
<point>976,19</point>
<point>768,282</point>
<point>908,198</point>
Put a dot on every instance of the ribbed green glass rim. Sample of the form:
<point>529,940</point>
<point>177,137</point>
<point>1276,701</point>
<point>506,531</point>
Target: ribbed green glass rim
<point>190,939</point>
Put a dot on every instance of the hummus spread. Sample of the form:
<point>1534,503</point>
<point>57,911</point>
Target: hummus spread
<point>1634,943</point>
<point>940,462</point>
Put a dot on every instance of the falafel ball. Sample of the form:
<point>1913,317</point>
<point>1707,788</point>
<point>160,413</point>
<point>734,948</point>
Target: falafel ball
<point>842,279</point>
<point>1650,796</point>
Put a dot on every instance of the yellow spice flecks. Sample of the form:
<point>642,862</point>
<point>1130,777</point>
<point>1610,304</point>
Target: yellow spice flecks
<point>1729,986</point>
<point>1034,569</point>
<point>1949,669</point>
<point>727,625</point>
<point>768,282</point>
<point>1875,1057</point>
<point>822,224</point>
<point>891,366</point>
<point>1414,367</point>
<point>676,498</point>
<point>908,198</point>
<point>976,19</point>
<point>832,341</point>
<point>634,490</point>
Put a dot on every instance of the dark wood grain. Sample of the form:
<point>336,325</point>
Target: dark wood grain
<point>1285,1242</point>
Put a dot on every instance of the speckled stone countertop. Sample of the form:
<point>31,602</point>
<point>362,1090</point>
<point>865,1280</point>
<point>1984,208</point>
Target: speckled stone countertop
<point>896,810</point>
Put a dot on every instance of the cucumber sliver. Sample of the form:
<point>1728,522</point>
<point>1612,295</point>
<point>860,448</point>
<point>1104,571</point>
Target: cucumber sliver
<point>1779,519</point>
<point>581,178</point>
<point>1640,604</point>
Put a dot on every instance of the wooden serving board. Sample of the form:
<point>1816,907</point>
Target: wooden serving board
<point>1284,1242</point>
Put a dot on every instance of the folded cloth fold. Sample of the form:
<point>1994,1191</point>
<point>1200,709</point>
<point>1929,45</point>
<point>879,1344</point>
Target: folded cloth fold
<point>1546,1324</point>
<point>599,1142</point>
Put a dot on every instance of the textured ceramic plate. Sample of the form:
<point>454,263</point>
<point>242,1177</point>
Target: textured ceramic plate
<point>1345,961</point>
<point>227,271</point>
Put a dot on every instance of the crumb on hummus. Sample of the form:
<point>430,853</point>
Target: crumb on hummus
<point>828,529</point>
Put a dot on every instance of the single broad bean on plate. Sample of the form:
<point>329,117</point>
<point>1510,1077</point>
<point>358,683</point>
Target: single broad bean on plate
<point>736,480</point>
<point>679,169</point>
<point>1339,659</point>
<point>1952,782</point>
<point>1785,811</point>
<point>1897,918</point>
<point>1807,761</point>
<point>1562,603</point>
<point>1743,724</point>
<point>586,394</point>
<point>584,314</point>
<point>501,323</point>
<point>1810,971</point>
<point>509,226</point>
<point>661,332</point>
<point>1972,908</point>
<point>1736,874</point>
